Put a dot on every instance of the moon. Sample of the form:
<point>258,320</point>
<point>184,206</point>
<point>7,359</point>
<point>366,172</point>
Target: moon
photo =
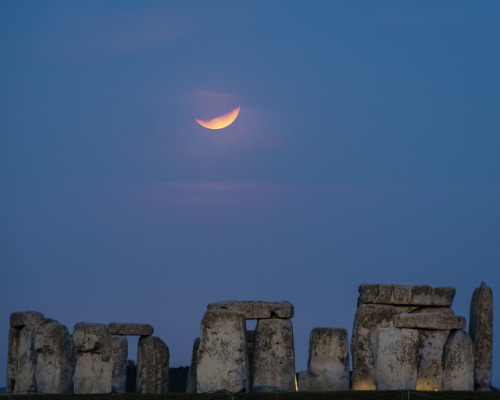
<point>221,121</point>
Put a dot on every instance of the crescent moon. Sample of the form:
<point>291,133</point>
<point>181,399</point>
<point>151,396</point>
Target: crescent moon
<point>221,121</point>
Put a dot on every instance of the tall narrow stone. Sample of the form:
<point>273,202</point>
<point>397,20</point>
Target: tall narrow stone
<point>328,364</point>
<point>222,355</point>
<point>481,332</point>
<point>191,378</point>
<point>119,346</point>
<point>55,360</point>
<point>12,356</point>
<point>25,381</point>
<point>152,365</point>
<point>94,370</point>
<point>396,359</point>
<point>458,362</point>
<point>430,359</point>
<point>273,365</point>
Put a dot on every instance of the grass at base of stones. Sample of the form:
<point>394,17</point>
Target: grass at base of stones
<point>347,395</point>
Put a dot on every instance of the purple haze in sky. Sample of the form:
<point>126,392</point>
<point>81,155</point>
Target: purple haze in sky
<point>367,150</point>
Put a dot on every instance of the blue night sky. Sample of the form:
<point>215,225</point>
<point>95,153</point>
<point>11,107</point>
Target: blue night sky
<point>366,151</point>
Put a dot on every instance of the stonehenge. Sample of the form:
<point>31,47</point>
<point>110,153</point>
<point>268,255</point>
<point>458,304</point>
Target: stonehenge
<point>403,338</point>
<point>228,357</point>
<point>43,357</point>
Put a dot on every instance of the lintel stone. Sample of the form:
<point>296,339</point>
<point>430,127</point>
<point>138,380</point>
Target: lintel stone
<point>435,321</point>
<point>131,329</point>
<point>419,295</point>
<point>256,309</point>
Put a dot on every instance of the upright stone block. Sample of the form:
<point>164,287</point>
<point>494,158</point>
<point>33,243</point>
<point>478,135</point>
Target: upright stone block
<point>328,364</point>
<point>152,365</point>
<point>191,378</point>
<point>55,359</point>
<point>396,359</point>
<point>119,346</point>
<point>92,374</point>
<point>222,355</point>
<point>368,318</point>
<point>25,381</point>
<point>458,362</point>
<point>88,336</point>
<point>12,356</point>
<point>273,365</point>
<point>481,332</point>
<point>430,359</point>
<point>94,370</point>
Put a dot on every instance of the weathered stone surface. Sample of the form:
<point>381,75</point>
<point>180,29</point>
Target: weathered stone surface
<point>93,337</point>
<point>256,309</point>
<point>445,311</point>
<point>26,318</point>
<point>406,295</point>
<point>119,346</point>
<point>368,318</point>
<point>328,364</point>
<point>430,320</point>
<point>152,365</point>
<point>481,332</point>
<point>92,374</point>
<point>458,362</point>
<point>25,381</point>
<point>273,366</point>
<point>395,363</point>
<point>131,329</point>
<point>55,359</point>
<point>222,356</point>
<point>191,378</point>
<point>12,355</point>
<point>430,359</point>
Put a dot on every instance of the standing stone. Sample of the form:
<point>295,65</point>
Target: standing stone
<point>273,365</point>
<point>481,332</point>
<point>368,318</point>
<point>119,345</point>
<point>430,359</point>
<point>328,364</point>
<point>12,355</point>
<point>152,365</point>
<point>93,371</point>
<point>55,360</point>
<point>396,359</point>
<point>429,320</point>
<point>191,378</point>
<point>222,355</point>
<point>25,381</point>
<point>92,374</point>
<point>458,362</point>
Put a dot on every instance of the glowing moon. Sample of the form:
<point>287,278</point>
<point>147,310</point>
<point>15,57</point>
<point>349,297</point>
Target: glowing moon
<point>221,121</point>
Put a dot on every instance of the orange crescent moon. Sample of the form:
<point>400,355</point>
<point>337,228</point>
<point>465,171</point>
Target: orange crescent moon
<point>221,121</point>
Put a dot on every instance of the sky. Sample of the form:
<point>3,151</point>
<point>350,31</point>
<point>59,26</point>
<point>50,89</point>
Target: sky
<point>366,150</point>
